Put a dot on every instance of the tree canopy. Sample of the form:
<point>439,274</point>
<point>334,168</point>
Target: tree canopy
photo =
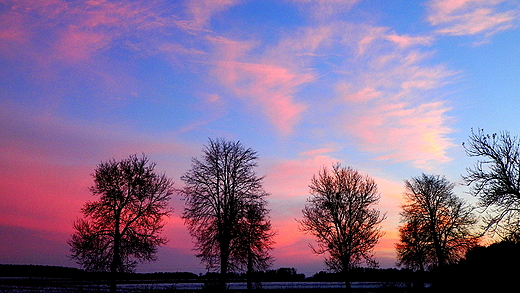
<point>223,196</point>
<point>438,226</point>
<point>340,214</point>
<point>123,226</point>
<point>495,180</point>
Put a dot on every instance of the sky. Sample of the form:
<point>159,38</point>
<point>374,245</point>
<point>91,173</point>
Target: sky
<point>391,88</point>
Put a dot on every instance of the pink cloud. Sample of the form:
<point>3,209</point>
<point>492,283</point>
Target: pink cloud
<point>42,196</point>
<point>272,77</point>
<point>95,25</point>
<point>269,86</point>
<point>368,36</point>
<point>76,45</point>
<point>12,28</point>
<point>199,12</point>
<point>390,85</point>
<point>322,9</point>
<point>366,40</point>
<point>364,95</point>
<point>65,46</point>
<point>310,40</point>
<point>291,246</point>
<point>260,83</point>
<point>384,81</point>
<point>79,30</point>
<point>290,178</point>
<point>406,133</point>
<point>472,17</point>
<point>404,41</point>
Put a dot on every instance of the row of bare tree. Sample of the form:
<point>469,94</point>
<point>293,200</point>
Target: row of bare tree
<point>226,212</point>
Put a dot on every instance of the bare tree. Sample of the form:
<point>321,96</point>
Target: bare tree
<point>220,190</point>
<point>413,249</point>
<point>495,180</point>
<point>438,226</point>
<point>123,226</point>
<point>340,214</point>
<point>255,240</point>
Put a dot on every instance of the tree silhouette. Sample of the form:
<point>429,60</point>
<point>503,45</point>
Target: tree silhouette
<point>340,214</point>
<point>221,192</point>
<point>495,180</point>
<point>255,240</point>
<point>123,226</point>
<point>438,226</point>
<point>413,249</point>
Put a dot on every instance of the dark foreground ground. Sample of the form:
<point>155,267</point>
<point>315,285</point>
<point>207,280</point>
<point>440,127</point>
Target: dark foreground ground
<point>28,278</point>
<point>55,285</point>
<point>87,289</point>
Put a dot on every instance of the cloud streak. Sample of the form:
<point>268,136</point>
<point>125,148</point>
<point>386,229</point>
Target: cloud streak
<point>270,86</point>
<point>263,83</point>
<point>322,9</point>
<point>199,12</point>
<point>384,82</point>
<point>472,17</point>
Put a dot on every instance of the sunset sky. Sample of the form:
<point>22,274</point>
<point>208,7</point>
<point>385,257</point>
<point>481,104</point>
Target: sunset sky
<point>391,88</point>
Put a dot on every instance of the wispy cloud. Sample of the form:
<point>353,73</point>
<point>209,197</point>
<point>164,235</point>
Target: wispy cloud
<point>405,41</point>
<point>472,17</point>
<point>364,63</point>
<point>321,9</point>
<point>269,86</point>
<point>76,30</point>
<point>263,83</point>
<point>199,12</point>
<point>385,81</point>
<point>382,80</point>
<point>390,92</point>
<point>290,178</point>
<point>393,112</point>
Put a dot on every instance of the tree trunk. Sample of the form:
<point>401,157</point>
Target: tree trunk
<point>116,259</point>
<point>441,261</point>
<point>346,274</point>
<point>346,277</point>
<point>114,267</point>
<point>249,270</point>
<point>419,279</point>
<point>224,256</point>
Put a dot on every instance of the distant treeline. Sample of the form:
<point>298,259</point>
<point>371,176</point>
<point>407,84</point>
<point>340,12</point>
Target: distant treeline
<point>278,275</point>
<point>492,268</point>
<point>38,271</point>
<point>41,271</point>
<point>485,269</point>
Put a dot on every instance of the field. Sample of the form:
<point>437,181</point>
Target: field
<point>33,285</point>
<point>31,278</point>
